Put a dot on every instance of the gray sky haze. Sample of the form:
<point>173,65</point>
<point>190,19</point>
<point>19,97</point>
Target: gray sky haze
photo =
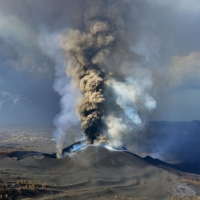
<point>164,34</point>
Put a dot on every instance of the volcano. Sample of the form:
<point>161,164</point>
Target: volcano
<point>93,172</point>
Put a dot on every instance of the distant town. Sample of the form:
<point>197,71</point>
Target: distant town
<point>29,138</point>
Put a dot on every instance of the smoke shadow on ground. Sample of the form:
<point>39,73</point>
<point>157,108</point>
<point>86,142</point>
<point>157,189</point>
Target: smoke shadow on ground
<point>170,141</point>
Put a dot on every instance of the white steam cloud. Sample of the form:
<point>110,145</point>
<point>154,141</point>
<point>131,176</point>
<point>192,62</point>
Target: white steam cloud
<point>68,117</point>
<point>116,93</point>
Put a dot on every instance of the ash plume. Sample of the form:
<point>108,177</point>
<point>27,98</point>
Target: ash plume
<point>116,91</point>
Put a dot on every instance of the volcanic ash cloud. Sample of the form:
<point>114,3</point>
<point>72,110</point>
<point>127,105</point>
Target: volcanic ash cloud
<point>116,94</point>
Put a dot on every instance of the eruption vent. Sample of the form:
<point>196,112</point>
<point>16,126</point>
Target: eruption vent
<point>116,91</point>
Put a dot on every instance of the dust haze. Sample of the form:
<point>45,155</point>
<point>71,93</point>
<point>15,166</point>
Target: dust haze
<point>145,42</point>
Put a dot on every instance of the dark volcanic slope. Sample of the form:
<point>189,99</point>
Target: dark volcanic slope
<point>20,155</point>
<point>94,172</point>
<point>189,167</point>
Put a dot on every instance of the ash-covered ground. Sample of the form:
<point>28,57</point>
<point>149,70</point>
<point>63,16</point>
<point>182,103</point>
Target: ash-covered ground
<point>27,138</point>
<point>93,172</point>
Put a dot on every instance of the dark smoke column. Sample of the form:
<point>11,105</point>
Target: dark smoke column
<point>87,49</point>
<point>116,88</point>
<point>90,109</point>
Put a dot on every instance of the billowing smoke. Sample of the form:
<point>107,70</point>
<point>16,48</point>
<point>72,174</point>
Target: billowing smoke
<point>168,45</point>
<point>116,91</point>
<point>80,48</point>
